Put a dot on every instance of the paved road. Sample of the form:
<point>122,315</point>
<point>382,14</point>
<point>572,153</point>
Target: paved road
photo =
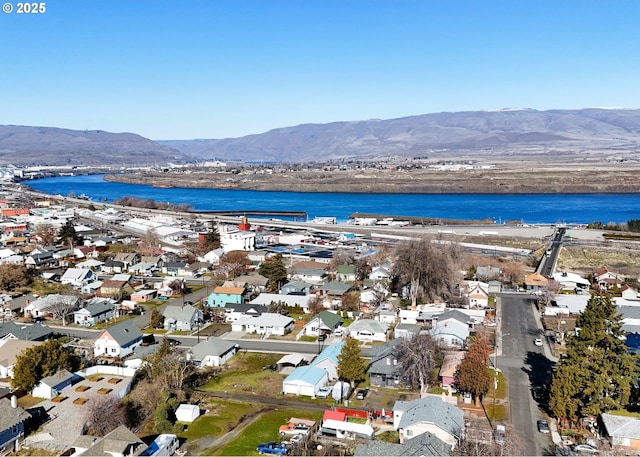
<point>524,365</point>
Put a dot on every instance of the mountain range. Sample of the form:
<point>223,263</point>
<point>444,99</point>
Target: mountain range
<point>501,133</point>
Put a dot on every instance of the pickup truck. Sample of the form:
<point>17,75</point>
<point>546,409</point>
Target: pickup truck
<point>272,448</point>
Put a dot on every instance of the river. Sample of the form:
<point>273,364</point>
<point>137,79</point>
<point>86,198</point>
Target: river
<point>527,208</point>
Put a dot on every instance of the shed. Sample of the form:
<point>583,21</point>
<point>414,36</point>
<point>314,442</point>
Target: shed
<point>187,413</point>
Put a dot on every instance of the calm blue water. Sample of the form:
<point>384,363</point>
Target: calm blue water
<point>530,208</point>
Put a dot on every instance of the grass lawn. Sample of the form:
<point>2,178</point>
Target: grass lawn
<point>27,401</point>
<point>244,373</point>
<point>222,417</point>
<point>263,430</point>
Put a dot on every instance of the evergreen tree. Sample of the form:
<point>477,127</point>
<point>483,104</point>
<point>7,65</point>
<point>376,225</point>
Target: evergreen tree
<point>596,374</point>
<point>38,362</point>
<point>275,271</point>
<point>157,319</point>
<point>351,366</point>
<point>211,239</point>
<point>68,235</point>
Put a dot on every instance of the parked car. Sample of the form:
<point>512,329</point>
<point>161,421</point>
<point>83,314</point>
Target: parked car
<point>272,448</point>
<point>362,393</point>
<point>325,392</point>
<point>584,449</point>
<point>543,426</point>
<point>538,341</point>
<point>294,429</point>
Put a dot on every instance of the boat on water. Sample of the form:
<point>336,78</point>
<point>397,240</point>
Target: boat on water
<point>162,186</point>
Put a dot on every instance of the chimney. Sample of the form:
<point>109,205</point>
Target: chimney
<point>14,401</point>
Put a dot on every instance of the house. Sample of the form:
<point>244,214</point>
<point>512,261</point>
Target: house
<point>118,340</point>
<point>328,359</point>
<point>629,293</point>
<point>51,386</point>
<point>253,282</point>
<point>264,324</point>
<point>187,413</point>
<point>535,282</point>
<point>571,281</point>
<point>324,323</point>
<point>408,316</point>
<point>178,317</point>
<point>120,442</point>
<point>384,370</point>
<point>333,289</point>
<point>77,277</point>
<point>40,258</point>
<point>448,369</point>
<point>623,432</point>
<point>214,256</point>
<point>116,289</point>
<point>406,330</point>
<point>478,294</point>
<point>605,279</point>
<point>212,353</point>
<point>426,445</point>
<point>52,304</point>
<point>37,332</point>
<point>388,316</point>
<point>485,272</point>
<point>495,287</point>
<point>430,414</point>
<point>297,287</point>
<point>451,329</point>
<point>303,301</point>
<point>368,330</point>
<point>173,268</point>
<point>143,295</point>
<point>111,266</point>
<point>233,311</point>
<point>9,349</point>
<point>306,380</point>
<point>379,273</point>
<point>94,313</point>
<point>12,425</point>
<point>223,295</point>
<point>346,273</point>
<point>91,264</point>
<point>127,259</point>
<point>310,275</point>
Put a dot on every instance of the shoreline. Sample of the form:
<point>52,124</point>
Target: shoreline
<point>512,180</point>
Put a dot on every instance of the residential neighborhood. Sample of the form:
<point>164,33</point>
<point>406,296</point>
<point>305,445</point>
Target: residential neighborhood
<point>373,357</point>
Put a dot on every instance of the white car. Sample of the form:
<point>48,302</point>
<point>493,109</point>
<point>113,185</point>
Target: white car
<point>584,448</point>
<point>538,341</point>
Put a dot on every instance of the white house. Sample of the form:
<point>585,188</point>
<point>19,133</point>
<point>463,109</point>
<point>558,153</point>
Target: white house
<point>119,340</point>
<point>264,324</point>
<point>478,295</point>
<point>430,414</point>
<point>77,277</point>
<point>178,317</point>
<point>451,330</point>
<point>212,352</point>
<point>51,386</point>
<point>368,330</point>
<point>94,313</point>
<point>236,240</point>
<point>408,316</point>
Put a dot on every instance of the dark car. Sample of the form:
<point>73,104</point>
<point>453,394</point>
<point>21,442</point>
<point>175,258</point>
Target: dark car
<point>543,426</point>
<point>38,319</point>
<point>362,393</point>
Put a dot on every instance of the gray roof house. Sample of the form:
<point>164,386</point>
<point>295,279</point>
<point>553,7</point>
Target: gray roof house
<point>26,332</point>
<point>213,352</point>
<point>296,287</point>
<point>368,330</point>
<point>623,432</point>
<point>51,386</point>
<point>94,313</point>
<point>431,414</point>
<point>425,444</point>
<point>384,369</point>
<point>117,443</point>
<point>12,422</point>
<point>178,317</point>
<point>118,340</point>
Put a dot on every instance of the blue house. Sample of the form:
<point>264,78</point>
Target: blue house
<point>222,295</point>
<point>12,420</point>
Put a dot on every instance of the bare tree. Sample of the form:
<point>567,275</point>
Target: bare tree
<point>418,357</point>
<point>63,305</point>
<point>431,270</point>
<point>104,414</point>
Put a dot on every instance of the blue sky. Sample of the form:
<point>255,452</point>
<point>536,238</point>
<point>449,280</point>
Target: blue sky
<point>186,69</point>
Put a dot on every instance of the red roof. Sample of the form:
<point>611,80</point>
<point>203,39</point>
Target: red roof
<point>335,415</point>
